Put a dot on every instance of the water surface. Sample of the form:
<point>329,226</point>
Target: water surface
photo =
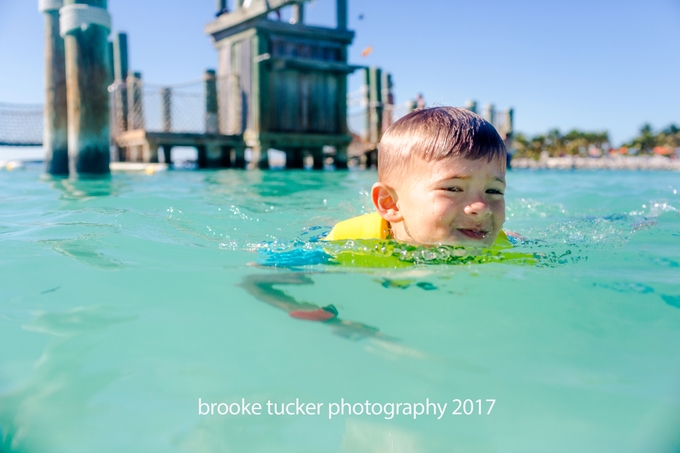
<point>122,302</point>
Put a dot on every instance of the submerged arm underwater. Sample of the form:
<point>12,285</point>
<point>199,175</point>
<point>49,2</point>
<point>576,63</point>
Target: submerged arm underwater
<point>261,286</point>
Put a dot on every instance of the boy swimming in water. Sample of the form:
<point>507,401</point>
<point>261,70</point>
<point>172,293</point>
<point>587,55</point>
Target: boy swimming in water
<point>441,181</point>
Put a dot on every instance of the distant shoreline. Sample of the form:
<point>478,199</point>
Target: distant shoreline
<point>598,163</point>
<point>633,163</point>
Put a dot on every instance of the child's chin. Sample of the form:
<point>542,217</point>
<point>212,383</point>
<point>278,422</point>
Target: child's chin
<point>467,243</point>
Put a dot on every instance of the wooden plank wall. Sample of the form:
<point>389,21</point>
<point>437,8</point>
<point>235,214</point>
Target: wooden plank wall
<point>304,101</point>
<point>223,91</point>
<point>245,59</point>
<point>235,87</point>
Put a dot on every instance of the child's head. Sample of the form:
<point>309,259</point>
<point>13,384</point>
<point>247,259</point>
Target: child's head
<point>441,178</point>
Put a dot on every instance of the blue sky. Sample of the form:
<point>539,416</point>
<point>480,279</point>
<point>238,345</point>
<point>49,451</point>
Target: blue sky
<point>594,65</point>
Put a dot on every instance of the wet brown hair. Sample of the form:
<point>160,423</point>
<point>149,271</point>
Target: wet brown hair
<point>434,134</point>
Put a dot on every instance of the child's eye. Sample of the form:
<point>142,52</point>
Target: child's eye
<point>453,189</point>
<point>494,192</point>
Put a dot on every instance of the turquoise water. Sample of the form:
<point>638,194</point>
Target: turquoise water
<point>123,302</point>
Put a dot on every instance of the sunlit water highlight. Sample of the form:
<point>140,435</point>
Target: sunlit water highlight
<point>122,302</point>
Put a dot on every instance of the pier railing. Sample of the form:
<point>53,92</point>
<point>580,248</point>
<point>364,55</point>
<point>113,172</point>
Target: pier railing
<point>21,124</point>
<point>368,119</point>
<point>157,108</point>
<point>185,108</point>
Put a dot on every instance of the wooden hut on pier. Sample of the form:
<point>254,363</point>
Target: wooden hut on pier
<point>283,85</point>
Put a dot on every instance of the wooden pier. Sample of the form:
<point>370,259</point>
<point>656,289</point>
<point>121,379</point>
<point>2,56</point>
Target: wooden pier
<point>214,150</point>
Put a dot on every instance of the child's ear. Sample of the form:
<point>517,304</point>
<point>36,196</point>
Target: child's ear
<point>385,201</point>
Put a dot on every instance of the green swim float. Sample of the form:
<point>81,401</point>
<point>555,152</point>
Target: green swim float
<point>372,247</point>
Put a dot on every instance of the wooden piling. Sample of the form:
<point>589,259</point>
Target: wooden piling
<point>318,159</point>
<point>55,132</point>
<point>410,106</point>
<point>376,105</point>
<point>221,7</point>
<point>202,157</point>
<point>297,13</point>
<point>120,72</point>
<point>340,158</point>
<point>213,155</point>
<point>341,9</point>
<point>388,102</point>
<point>150,152</point>
<point>366,94</point>
<point>508,136</point>
<point>135,101</point>
<point>85,25</point>
<point>227,157</point>
<point>167,154</point>
<point>166,109</point>
<point>489,113</point>
<point>295,159</point>
<point>211,119</point>
<point>239,157</point>
<point>260,103</point>
<point>471,105</point>
<point>260,155</point>
<point>109,57</point>
<point>510,120</point>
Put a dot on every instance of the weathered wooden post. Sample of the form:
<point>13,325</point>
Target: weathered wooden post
<point>119,54</point>
<point>341,9</point>
<point>211,119</point>
<point>375,95</point>
<point>298,13</point>
<point>508,135</point>
<point>167,154</point>
<point>340,159</point>
<point>213,152</point>
<point>366,92</point>
<point>239,157</point>
<point>135,101</point>
<point>471,105</point>
<point>120,71</point>
<point>295,159</point>
<point>510,120</point>
<point>260,155</point>
<point>55,132</point>
<point>317,158</point>
<point>201,157</point>
<point>388,101</point>
<point>376,114</point>
<point>166,109</point>
<point>221,7</point>
<point>109,56</point>
<point>257,113</point>
<point>489,113</point>
<point>410,106</point>
<point>85,26</point>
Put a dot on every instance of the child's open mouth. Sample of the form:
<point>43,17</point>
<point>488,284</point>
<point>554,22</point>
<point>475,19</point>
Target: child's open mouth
<point>474,234</point>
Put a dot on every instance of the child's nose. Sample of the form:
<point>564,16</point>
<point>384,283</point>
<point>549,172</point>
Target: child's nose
<point>477,208</point>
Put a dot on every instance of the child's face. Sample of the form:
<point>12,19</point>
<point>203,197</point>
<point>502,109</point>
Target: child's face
<point>455,201</point>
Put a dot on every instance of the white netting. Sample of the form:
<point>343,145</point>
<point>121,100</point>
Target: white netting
<point>176,108</point>
<point>21,124</point>
<point>359,110</point>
